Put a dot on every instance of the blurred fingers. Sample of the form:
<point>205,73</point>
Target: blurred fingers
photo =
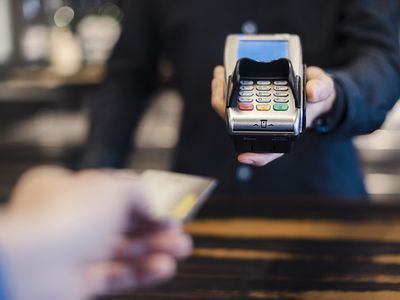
<point>321,93</point>
<point>140,224</point>
<point>172,242</point>
<point>111,277</point>
<point>258,159</point>
<point>155,269</point>
<point>320,85</point>
<point>218,91</point>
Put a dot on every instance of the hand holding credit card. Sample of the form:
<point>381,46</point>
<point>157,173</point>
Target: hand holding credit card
<point>175,196</point>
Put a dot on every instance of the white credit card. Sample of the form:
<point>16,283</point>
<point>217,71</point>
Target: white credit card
<point>175,196</point>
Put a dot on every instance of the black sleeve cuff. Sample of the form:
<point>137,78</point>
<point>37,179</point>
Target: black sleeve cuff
<point>331,120</point>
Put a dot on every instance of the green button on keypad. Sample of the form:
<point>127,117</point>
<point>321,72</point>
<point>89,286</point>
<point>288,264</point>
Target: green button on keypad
<point>281,107</point>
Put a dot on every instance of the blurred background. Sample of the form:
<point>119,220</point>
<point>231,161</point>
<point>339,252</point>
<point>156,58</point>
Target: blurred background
<point>52,52</point>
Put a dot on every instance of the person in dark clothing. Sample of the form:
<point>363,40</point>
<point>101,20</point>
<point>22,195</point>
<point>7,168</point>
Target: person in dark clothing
<point>354,41</point>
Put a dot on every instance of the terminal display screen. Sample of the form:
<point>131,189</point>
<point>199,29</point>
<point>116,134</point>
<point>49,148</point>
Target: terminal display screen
<point>263,50</point>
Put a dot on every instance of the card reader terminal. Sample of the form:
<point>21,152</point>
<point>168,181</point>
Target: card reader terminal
<point>265,104</point>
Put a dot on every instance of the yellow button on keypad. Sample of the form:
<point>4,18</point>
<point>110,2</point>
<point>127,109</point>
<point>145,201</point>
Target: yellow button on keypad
<point>264,107</point>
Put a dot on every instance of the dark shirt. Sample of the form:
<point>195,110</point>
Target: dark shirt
<point>355,40</point>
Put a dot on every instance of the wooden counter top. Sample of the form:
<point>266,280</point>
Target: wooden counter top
<point>289,249</point>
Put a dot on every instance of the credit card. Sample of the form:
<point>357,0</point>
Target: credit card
<point>175,196</point>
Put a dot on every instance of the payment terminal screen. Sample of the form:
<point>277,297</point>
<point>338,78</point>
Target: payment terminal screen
<point>263,50</point>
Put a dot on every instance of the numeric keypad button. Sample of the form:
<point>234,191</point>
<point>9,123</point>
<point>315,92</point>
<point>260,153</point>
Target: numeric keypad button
<point>246,82</point>
<point>264,82</point>
<point>263,88</point>
<point>281,100</point>
<point>281,88</point>
<point>246,94</point>
<point>246,88</point>
<point>245,100</point>
<point>263,100</point>
<point>281,94</point>
<point>263,94</point>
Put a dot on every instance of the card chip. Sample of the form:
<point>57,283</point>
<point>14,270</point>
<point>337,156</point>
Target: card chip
<point>185,206</point>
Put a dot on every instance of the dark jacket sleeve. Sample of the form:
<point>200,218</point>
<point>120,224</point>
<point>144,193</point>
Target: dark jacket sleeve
<point>118,104</point>
<point>368,76</point>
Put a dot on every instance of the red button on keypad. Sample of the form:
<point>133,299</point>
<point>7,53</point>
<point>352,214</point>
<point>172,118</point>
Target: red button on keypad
<point>246,106</point>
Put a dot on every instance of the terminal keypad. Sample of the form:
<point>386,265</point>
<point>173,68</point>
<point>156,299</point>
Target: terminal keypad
<point>264,95</point>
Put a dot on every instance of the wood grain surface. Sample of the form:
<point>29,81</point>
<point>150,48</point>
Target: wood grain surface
<point>290,250</point>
